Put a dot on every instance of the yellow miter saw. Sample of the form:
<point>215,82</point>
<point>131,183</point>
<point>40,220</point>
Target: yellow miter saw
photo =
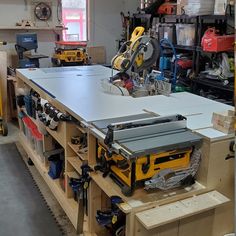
<point>139,53</point>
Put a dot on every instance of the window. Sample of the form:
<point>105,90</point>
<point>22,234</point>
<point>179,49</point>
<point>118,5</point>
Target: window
<point>74,16</point>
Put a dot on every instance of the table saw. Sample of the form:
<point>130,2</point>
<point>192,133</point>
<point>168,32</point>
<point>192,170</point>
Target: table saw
<point>158,152</point>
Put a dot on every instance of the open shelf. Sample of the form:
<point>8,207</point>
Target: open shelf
<point>82,130</point>
<point>141,196</point>
<point>214,84</point>
<point>76,163</point>
<point>81,152</point>
<point>72,174</point>
<point>58,134</point>
<point>69,205</point>
<point>181,47</point>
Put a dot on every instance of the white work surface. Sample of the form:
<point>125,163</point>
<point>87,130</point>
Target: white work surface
<point>79,89</point>
<point>65,72</point>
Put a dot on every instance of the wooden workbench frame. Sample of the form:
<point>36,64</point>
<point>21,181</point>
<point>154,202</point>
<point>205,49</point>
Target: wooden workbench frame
<point>215,174</point>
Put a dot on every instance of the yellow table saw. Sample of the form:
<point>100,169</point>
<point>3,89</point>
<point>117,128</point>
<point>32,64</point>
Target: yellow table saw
<point>155,152</point>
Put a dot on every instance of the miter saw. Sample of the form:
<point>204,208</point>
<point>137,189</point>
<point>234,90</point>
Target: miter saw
<point>133,53</point>
<point>155,152</point>
<point>135,57</point>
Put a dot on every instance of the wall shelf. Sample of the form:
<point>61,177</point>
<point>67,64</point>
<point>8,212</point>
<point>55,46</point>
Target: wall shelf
<point>31,28</point>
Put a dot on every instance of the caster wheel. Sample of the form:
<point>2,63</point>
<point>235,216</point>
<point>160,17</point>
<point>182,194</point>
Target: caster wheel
<point>30,163</point>
<point>4,128</point>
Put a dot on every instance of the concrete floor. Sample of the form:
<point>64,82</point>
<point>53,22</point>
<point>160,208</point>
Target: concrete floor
<point>52,203</point>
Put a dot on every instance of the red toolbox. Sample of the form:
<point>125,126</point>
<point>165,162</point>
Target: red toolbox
<point>213,42</point>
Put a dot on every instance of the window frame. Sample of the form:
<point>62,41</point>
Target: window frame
<point>86,22</point>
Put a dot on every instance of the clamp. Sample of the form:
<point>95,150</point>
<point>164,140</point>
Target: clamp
<point>112,219</point>
<point>80,186</point>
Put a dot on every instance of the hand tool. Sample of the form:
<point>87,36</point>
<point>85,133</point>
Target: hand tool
<point>112,219</point>
<point>80,186</point>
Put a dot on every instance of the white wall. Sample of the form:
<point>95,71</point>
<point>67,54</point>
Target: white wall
<point>12,11</point>
<point>131,6</point>
<point>104,25</point>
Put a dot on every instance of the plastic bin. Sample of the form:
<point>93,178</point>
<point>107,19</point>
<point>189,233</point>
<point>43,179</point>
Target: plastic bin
<point>38,140</point>
<point>29,128</point>
<point>185,34</point>
<point>167,31</point>
<point>22,124</point>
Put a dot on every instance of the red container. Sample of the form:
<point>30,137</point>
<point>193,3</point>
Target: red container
<point>213,42</point>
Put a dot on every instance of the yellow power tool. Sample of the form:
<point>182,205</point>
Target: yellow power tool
<point>155,152</point>
<point>70,53</point>
<point>133,52</point>
<point>145,166</point>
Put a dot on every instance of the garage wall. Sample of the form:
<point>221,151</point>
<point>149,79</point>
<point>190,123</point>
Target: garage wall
<point>104,25</point>
<point>131,5</point>
<point>12,11</point>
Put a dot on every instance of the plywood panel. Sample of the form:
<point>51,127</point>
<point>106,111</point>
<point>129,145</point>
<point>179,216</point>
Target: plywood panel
<point>198,225</point>
<point>181,209</point>
<point>166,230</point>
<point>221,178</point>
<point>97,54</point>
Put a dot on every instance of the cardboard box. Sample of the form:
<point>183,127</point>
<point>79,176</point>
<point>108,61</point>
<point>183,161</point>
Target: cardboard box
<point>224,121</point>
<point>97,54</point>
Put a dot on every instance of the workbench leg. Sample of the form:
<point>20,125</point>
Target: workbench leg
<point>129,227</point>
<point>94,204</point>
<point>80,217</point>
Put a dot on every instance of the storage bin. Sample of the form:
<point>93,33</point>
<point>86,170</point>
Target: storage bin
<point>185,34</point>
<point>55,169</point>
<point>28,105</point>
<point>38,140</point>
<point>22,123</point>
<point>167,31</point>
<point>29,127</point>
<point>31,139</point>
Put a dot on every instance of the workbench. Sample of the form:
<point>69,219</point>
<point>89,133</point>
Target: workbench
<point>77,91</point>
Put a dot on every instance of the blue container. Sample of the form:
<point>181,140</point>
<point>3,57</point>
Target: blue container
<point>55,169</point>
<point>28,105</point>
<point>165,63</point>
